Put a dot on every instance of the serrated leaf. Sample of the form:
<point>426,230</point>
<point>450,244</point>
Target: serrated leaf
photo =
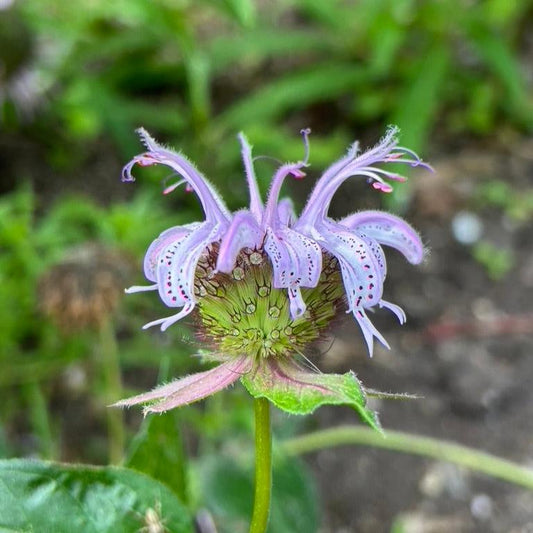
<point>42,496</point>
<point>301,392</point>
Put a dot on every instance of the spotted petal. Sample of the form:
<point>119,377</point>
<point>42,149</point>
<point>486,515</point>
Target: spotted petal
<point>166,239</point>
<point>177,264</point>
<point>389,230</point>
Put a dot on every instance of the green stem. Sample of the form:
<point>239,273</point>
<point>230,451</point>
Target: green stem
<point>413,444</point>
<point>113,390</point>
<point>41,420</point>
<point>263,466</point>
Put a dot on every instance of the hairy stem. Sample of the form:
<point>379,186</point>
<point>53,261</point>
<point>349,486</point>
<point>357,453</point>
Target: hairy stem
<point>113,390</point>
<point>263,466</point>
<point>413,444</point>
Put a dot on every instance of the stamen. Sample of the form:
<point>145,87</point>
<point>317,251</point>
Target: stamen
<point>305,134</point>
<point>174,186</point>
<point>140,288</point>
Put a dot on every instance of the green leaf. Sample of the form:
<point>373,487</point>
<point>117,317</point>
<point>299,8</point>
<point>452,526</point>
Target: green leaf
<point>300,392</point>
<point>254,47</point>
<point>41,496</point>
<point>417,109</point>
<point>418,105</point>
<point>157,450</point>
<point>226,488</point>
<point>323,82</point>
<point>501,59</point>
<point>243,11</point>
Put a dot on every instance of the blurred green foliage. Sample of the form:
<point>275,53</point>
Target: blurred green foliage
<point>200,71</point>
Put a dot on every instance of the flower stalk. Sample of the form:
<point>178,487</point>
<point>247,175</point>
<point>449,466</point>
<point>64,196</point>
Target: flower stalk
<point>263,466</point>
<point>399,441</point>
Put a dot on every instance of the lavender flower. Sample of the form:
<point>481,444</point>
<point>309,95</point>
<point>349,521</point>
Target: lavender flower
<point>264,282</point>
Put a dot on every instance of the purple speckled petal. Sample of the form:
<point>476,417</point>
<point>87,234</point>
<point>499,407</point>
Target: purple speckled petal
<point>296,262</point>
<point>308,255</point>
<point>242,232</point>
<point>284,260</point>
<point>191,388</point>
<point>214,208</point>
<point>178,261</point>
<point>362,274</point>
<point>388,230</point>
<point>363,270</point>
<point>166,239</point>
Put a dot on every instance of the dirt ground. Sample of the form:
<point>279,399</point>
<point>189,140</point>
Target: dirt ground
<point>467,349</point>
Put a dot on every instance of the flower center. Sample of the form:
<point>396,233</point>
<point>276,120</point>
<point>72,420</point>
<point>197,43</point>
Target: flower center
<point>242,313</point>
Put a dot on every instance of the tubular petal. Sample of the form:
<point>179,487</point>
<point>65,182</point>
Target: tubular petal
<point>256,204</point>
<point>286,213</point>
<point>214,207</point>
<point>242,232</point>
<point>355,165</point>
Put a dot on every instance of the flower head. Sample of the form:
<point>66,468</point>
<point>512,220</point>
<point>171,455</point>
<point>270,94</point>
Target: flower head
<point>263,282</point>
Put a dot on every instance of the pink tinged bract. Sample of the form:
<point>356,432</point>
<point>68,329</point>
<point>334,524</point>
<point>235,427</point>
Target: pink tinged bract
<point>190,388</point>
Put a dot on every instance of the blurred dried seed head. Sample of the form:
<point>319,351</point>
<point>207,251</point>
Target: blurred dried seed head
<point>84,289</point>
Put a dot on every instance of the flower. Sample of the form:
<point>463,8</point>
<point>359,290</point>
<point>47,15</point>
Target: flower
<point>263,283</point>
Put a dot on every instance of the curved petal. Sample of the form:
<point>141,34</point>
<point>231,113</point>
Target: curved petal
<point>214,208</point>
<point>167,321</point>
<point>271,216</point>
<point>166,239</point>
<point>388,230</point>
<point>242,232</point>
<point>396,309</point>
<point>363,165</point>
<point>256,204</point>
<point>177,264</point>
